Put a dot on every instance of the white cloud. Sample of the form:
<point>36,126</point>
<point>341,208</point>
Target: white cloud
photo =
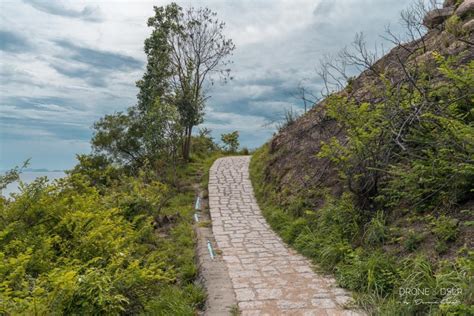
<point>278,44</point>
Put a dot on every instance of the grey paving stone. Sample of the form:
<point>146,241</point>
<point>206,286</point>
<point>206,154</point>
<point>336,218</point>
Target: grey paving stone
<point>268,277</point>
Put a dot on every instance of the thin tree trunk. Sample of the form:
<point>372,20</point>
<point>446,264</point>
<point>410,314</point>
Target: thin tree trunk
<point>187,143</point>
<point>183,147</point>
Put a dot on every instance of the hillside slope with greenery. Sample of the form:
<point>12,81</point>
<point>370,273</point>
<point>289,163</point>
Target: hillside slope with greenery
<point>100,241</point>
<point>375,182</point>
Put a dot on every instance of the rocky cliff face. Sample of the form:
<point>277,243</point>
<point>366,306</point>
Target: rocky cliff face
<point>293,165</point>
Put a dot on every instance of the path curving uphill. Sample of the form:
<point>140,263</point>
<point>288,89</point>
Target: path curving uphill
<point>268,277</point>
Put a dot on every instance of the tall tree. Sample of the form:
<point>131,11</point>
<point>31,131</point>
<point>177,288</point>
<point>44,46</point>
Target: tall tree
<point>186,51</point>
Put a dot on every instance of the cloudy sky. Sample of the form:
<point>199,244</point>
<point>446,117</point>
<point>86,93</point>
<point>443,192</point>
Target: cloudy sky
<point>64,64</point>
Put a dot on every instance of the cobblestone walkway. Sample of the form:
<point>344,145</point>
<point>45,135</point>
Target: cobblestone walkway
<point>267,276</point>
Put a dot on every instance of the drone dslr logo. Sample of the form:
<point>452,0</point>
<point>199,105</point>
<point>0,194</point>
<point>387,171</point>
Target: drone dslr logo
<point>415,295</point>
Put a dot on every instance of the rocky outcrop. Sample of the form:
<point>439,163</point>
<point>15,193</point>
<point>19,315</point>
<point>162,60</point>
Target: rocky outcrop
<point>465,8</point>
<point>468,26</point>
<point>437,16</point>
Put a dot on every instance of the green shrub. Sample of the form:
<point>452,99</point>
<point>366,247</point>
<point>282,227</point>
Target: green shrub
<point>231,141</point>
<point>382,273</point>
<point>376,231</point>
<point>338,217</point>
<point>445,228</point>
<point>245,151</point>
<point>350,273</point>
<point>76,248</point>
<point>174,301</point>
<point>278,219</point>
<point>293,230</point>
<point>307,243</point>
<point>415,165</point>
<point>413,240</point>
<point>332,251</point>
<point>203,144</point>
<point>373,273</point>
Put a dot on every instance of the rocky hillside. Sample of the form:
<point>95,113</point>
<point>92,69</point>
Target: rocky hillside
<point>295,165</point>
<point>375,182</point>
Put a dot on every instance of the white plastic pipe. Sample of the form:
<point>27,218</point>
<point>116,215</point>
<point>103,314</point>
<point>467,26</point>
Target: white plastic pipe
<point>198,204</point>
<point>211,251</point>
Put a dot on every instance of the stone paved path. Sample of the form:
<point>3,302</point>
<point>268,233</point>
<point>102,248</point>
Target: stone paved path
<point>268,277</point>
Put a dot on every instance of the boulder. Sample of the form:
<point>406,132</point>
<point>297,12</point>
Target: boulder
<point>468,26</point>
<point>449,3</point>
<point>437,16</point>
<point>465,8</point>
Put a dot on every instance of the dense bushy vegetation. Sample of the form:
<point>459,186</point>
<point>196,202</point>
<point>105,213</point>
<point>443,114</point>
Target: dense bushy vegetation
<point>115,235</point>
<point>358,252</point>
<point>393,232</point>
<point>101,241</point>
<point>72,248</point>
<point>412,144</point>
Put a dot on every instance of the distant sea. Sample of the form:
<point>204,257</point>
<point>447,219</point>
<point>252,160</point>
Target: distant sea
<point>30,176</point>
